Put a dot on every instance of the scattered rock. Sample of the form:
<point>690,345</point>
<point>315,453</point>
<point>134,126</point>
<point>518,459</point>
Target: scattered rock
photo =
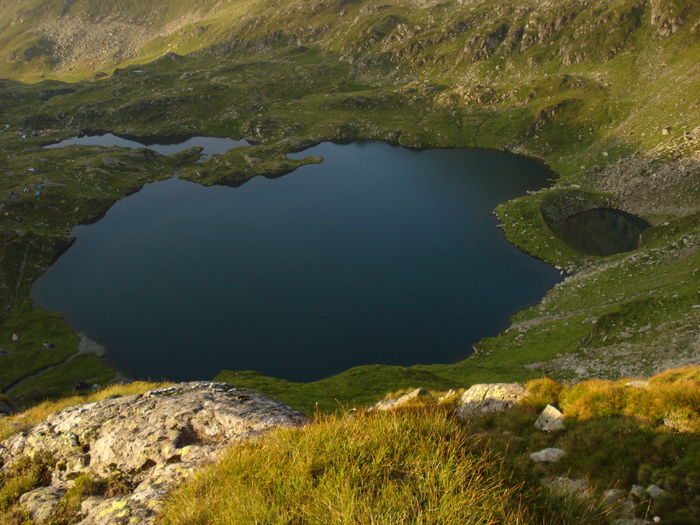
<point>389,404</point>
<point>655,491</point>
<point>563,486</point>
<point>489,398</point>
<point>447,396</point>
<point>676,421</point>
<point>581,372</point>
<point>627,508</point>
<point>550,419</point>
<point>547,455</point>
<point>613,496</point>
<point>638,492</point>
<point>155,439</point>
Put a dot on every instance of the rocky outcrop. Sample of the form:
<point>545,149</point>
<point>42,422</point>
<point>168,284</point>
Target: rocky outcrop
<point>154,440</point>
<point>489,398</point>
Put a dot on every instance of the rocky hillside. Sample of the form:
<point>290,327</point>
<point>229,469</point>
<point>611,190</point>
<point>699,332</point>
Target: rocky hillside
<point>62,38</point>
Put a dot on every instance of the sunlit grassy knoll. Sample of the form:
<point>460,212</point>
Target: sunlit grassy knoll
<point>616,434</point>
<point>413,466</point>
<point>402,468</point>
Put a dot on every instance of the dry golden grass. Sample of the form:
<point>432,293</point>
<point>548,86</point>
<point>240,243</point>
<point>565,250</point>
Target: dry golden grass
<point>417,465</point>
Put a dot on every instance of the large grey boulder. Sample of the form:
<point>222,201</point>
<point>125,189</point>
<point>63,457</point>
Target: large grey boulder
<point>156,439</point>
<point>489,398</point>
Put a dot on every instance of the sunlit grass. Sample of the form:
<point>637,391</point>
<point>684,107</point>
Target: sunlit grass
<point>411,466</point>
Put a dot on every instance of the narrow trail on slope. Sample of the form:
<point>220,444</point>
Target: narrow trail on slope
<point>86,346</point>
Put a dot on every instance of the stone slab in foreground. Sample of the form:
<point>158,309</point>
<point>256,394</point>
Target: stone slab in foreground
<point>157,439</point>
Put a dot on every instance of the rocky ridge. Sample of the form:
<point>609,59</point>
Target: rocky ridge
<point>150,441</point>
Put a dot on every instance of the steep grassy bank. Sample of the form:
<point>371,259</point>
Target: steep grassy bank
<point>607,95</point>
<point>420,465</point>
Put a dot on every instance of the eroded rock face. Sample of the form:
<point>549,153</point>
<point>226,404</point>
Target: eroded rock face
<point>489,398</point>
<point>156,439</point>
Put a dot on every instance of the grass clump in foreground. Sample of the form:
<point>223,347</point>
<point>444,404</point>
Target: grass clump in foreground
<point>410,466</point>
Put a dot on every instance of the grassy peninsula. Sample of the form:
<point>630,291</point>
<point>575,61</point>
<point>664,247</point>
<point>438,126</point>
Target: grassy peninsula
<point>606,95</point>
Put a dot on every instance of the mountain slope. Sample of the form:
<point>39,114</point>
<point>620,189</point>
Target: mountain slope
<point>606,94</point>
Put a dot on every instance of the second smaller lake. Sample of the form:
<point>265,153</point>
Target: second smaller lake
<point>604,231</point>
<point>163,145</point>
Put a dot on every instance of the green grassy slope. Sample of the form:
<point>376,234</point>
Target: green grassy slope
<point>419,464</point>
<point>606,94</point>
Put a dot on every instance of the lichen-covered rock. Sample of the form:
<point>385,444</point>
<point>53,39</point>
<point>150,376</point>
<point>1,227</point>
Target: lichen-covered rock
<point>41,502</point>
<point>156,439</point>
<point>655,491</point>
<point>489,398</point>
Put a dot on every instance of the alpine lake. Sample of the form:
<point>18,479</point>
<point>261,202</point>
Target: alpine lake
<point>378,255</point>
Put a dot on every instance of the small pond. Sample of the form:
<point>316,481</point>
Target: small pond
<point>604,231</point>
<point>162,145</point>
<point>378,255</point>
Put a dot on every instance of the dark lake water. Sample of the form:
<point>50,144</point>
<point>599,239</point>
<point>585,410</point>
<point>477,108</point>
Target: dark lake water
<point>604,231</point>
<point>163,145</point>
<point>377,255</point>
